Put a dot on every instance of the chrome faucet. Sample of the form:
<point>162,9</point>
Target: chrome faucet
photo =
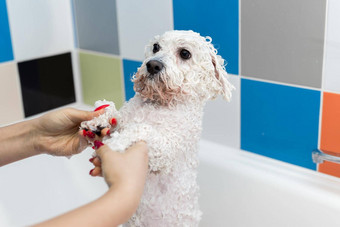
<point>319,156</point>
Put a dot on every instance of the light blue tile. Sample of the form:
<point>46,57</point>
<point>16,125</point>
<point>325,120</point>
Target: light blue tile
<point>280,121</point>
<point>6,51</point>
<point>217,19</point>
<point>130,68</point>
<point>97,27</point>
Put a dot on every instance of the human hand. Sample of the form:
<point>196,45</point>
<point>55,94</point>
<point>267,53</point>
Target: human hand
<point>57,133</point>
<point>102,126</point>
<point>128,169</point>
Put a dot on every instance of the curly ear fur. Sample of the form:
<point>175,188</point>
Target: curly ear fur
<point>221,76</point>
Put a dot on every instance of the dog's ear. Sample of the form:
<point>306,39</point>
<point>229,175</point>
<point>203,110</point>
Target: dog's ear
<point>221,75</point>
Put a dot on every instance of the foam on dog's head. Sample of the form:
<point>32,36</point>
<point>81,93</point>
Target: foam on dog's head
<point>192,70</point>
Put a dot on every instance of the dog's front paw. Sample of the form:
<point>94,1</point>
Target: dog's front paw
<point>108,119</point>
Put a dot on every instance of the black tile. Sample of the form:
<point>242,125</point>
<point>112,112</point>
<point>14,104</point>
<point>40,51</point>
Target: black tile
<point>46,83</point>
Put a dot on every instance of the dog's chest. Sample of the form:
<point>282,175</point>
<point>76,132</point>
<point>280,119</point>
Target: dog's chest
<point>179,120</point>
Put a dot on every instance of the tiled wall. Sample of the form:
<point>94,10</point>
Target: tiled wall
<point>283,58</point>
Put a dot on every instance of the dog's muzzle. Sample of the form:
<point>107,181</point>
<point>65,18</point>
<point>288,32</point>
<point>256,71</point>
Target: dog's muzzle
<point>154,67</point>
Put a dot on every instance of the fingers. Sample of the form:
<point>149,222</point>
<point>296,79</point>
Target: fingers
<point>97,170</point>
<point>89,135</point>
<point>100,148</point>
<point>113,122</point>
<point>100,131</point>
<point>105,132</point>
<point>81,115</point>
<point>96,161</point>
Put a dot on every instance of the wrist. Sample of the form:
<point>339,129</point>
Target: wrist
<point>129,199</point>
<point>35,137</point>
<point>17,142</point>
<point>130,190</point>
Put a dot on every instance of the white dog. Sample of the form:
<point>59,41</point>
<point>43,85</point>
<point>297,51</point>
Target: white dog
<point>180,73</point>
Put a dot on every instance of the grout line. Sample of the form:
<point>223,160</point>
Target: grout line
<point>20,91</point>
<point>75,24</point>
<point>118,28</point>
<point>324,47</point>
<point>172,15</point>
<point>122,80</point>
<point>239,36</point>
<point>10,29</point>
<point>98,53</point>
<point>239,69</point>
<point>107,55</point>
<point>280,83</point>
<point>323,76</point>
<point>77,76</point>
<point>8,63</point>
<point>320,120</point>
<point>331,91</point>
<point>45,55</point>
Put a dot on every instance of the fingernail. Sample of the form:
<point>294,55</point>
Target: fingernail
<point>108,133</point>
<point>93,147</point>
<point>98,144</point>
<point>101,107</point>
<point>113,121</point>
<point>91,171</point>
<point>84,132</point>
<point>91,159</point>
<point>90,134</point>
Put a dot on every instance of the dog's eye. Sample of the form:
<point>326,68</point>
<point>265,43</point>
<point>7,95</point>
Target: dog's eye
<point>156,48</point>
<point>185,54</point>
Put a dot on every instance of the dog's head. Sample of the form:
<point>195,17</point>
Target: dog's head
<point>179,66</point>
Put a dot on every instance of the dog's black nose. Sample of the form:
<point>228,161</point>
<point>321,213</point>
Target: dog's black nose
<point>154,66</point>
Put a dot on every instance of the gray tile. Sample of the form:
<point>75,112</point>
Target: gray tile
<point>283,40</point>
<point>96,23</point>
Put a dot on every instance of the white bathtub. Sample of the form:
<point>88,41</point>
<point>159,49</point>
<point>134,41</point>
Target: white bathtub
<point>237,189</point>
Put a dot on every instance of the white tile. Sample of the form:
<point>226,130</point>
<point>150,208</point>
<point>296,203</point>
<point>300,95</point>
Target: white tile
<point>221,121</point>
<point>139,22</point>
<point>331,80</point>
<point>11,107</point>
<point>40,28</point>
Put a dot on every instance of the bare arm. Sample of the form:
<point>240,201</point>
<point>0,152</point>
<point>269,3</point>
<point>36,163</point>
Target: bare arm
<point>54,133</point>
<point>57,133</point>
<point>16,142</point>
<point>125,173</point>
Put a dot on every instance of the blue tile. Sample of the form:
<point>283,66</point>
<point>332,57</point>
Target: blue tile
<point>130,68</point>
<point>6,53</point>
<point>217,19</point>
<point>280,122</point>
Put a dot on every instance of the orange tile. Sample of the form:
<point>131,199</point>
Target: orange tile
<point>330,126</point>
<point>330,168</point>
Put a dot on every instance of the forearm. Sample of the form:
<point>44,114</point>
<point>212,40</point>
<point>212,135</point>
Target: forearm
<point>16,142</point>
<point>114,208</point>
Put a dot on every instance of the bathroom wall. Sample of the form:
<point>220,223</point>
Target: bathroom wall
<point>282,57</point>
<point>36,43</point>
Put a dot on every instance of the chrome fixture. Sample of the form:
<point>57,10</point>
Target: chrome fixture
<point>319,157</point>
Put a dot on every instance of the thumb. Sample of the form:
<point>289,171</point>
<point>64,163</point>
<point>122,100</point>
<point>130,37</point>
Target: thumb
<point>81,115</point>
<point>100,148</point>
